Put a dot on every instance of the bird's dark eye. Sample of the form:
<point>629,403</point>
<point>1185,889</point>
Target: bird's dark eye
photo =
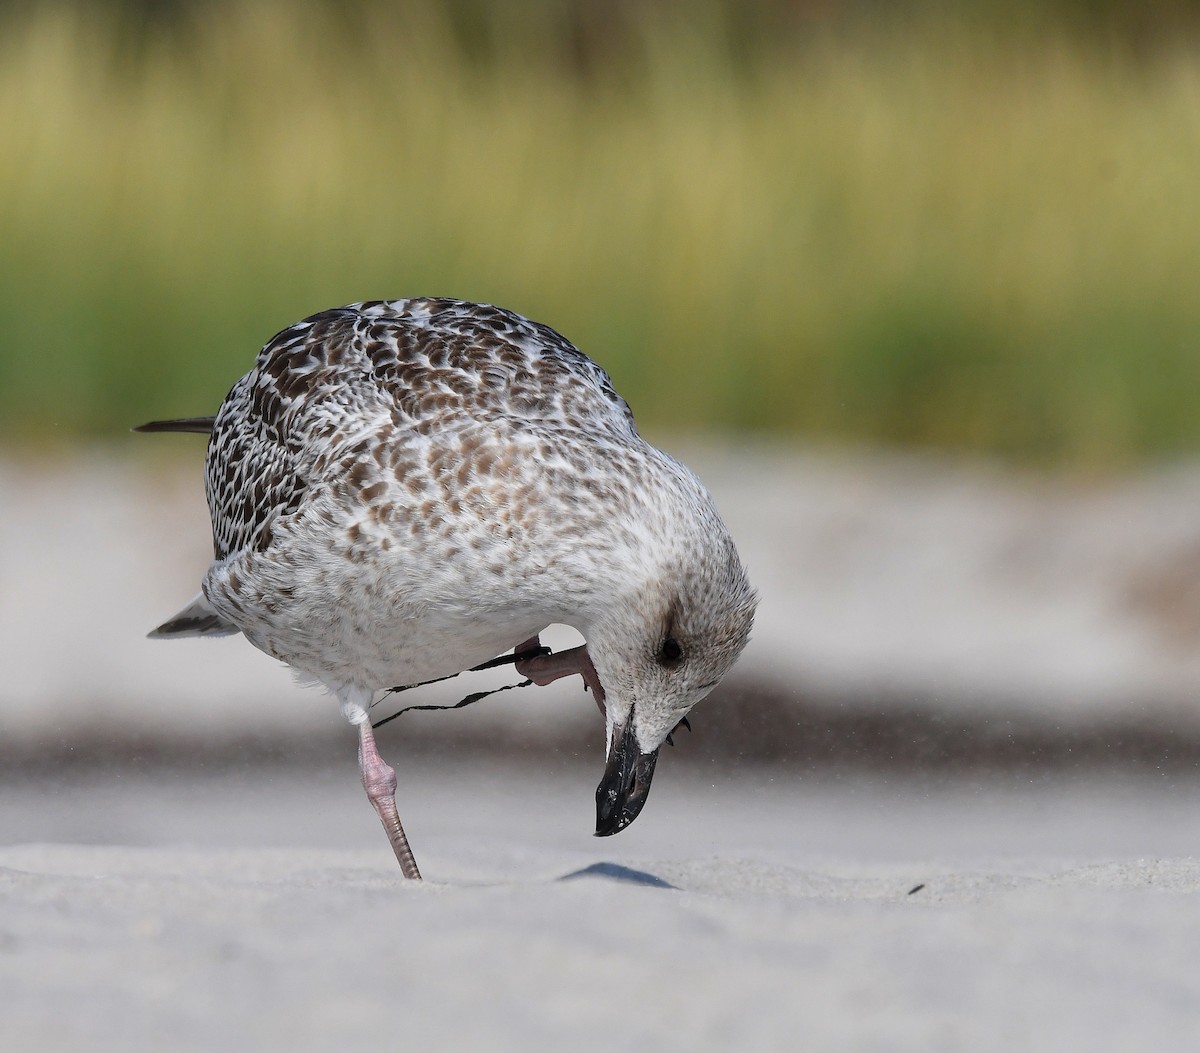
<point>670,653</point>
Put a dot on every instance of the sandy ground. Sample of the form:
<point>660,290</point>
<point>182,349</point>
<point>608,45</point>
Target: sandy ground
<point>206,906</point>
<point>144,911</point>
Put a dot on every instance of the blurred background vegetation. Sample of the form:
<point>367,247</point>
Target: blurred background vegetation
<point>958,226</point>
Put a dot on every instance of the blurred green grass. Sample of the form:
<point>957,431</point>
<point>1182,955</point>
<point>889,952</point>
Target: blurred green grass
<point>930,231</point>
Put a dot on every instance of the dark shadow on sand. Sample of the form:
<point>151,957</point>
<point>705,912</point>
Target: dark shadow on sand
<point>619,873</point>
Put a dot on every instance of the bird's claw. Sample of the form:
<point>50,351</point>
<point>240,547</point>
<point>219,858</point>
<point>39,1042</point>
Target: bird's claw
<point>683,723</point>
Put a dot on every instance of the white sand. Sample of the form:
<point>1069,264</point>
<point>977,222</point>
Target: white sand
<point>233,913</point>
<point>159,912</point>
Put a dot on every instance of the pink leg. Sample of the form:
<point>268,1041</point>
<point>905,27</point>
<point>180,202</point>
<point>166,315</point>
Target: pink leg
<point>547,668</point>
<point>379,780</point>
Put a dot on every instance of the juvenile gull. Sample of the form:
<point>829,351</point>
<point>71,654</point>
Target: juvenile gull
<point>402,489</point>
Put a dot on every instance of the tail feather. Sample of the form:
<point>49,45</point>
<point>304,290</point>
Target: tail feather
<point>196,619</point>
<point>200,425</point>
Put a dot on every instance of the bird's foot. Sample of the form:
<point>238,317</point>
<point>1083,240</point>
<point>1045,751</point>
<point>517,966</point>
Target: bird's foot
<point>546,668</point>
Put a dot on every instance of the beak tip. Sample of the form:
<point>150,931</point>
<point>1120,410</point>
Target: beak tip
<point>613,823</point>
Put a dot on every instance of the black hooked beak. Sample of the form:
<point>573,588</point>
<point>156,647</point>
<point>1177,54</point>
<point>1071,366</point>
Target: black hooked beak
<point>626,783</point>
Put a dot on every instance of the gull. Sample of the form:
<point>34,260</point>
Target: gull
<point>401,490</point>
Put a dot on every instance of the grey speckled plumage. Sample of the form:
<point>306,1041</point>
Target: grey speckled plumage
<point>402,489</point>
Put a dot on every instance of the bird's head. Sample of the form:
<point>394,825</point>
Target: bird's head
<point>663,645</point>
